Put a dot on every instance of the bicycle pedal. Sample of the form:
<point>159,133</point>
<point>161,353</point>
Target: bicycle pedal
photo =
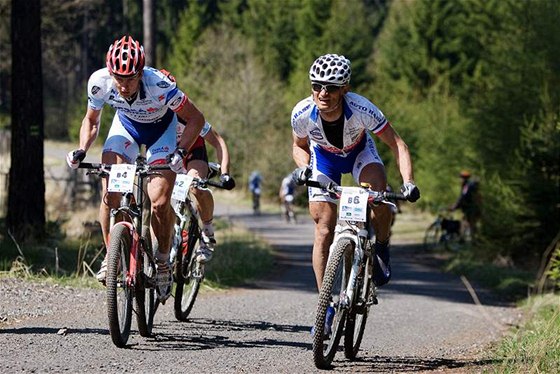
<point>372,301</point>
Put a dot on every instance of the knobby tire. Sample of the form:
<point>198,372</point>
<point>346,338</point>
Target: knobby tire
<point>358,314</point>
<point>187,286</point>
<point>144,292</point>
<point>334,280</point>
<point>119,294</point>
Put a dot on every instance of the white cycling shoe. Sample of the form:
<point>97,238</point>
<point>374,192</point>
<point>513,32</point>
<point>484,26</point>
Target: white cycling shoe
<point>205,251</point>
<point>164,281</point>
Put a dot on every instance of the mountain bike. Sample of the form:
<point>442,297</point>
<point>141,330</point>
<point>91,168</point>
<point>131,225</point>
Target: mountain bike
<point>348,281</point>
<point>188,273</point>
<point>131,268</point>
<point>446,233</point>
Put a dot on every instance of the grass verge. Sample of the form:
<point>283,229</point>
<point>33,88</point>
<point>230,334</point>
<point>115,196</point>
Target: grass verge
<point>535,347</point>
<point>240,256</point>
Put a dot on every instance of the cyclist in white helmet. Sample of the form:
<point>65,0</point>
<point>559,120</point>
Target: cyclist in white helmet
<point>331,136</point>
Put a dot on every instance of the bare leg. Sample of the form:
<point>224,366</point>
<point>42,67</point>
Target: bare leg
<point>108,201</point>
<point>204,198</point>
<point>159,191</point>
<point>374,174</point>
<point>324,215</point>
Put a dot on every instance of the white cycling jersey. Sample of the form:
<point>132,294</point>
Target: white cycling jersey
<point>157,95</point>
<point>360,115</point>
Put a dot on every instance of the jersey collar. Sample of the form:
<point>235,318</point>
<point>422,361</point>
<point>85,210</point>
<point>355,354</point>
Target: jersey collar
<point>345,108</point>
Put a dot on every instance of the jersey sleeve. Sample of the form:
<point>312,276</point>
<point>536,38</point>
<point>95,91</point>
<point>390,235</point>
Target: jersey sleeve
<point>96,90</point>
<point>205,129</point>
<point>299,124</point>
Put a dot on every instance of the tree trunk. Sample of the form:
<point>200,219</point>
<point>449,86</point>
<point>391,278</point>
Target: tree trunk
<point>149,32</point>
<point>26,193</point>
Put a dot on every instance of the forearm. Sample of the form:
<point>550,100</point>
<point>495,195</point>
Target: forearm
<point>301,152</point>
<point>223,155</point>
<point>88,132</point>
<point>191,132</point>
<point>404,162</point>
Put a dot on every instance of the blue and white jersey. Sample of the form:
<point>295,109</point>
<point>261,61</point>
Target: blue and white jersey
<point>157,99</point>
<point>360,115</point>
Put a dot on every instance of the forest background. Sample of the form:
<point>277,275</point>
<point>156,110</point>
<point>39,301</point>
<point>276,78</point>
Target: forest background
<point>469,84</point>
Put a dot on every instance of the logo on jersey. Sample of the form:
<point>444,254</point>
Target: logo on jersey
<point>162,84</point>
<point>160,150</point>
<point>127,144</point>
<point>95,90</point>
<point>161,97</point>
<point>176,102</point>
<point>316,134</point>
<point>151,110</point>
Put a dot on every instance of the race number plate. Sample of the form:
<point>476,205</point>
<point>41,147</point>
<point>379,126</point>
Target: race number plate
<point>121,178</point>
<point>181,188</point>
<point>353,204</point>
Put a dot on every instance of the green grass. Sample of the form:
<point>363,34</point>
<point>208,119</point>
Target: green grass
<point>535,347</point>
<point>509,283</point>
<point>240,256</point>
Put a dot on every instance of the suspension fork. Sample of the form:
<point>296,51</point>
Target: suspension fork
<point>346,232</point>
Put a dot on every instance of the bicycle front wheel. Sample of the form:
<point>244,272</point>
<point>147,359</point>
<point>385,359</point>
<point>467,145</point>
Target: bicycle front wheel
<point>188,276</point>
<point>144,291</point>
<point>119,291</point>
<point>326,340</point>
<point>358,313</point>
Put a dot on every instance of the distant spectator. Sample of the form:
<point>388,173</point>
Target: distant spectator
<point>469,201</point>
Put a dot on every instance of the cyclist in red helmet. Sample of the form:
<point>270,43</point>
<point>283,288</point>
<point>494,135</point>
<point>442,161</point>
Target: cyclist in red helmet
<point>147,105</point>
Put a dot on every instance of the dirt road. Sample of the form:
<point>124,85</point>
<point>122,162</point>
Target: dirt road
<point>425,321</point>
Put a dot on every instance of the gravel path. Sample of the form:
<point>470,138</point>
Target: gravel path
<point>425,321</point>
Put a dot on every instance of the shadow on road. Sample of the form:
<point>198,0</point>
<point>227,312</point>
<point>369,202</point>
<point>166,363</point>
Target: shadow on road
<point>203,334</point>
<point>384,364</point>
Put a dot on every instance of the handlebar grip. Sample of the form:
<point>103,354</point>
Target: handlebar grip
<point>315,184</point>
<point>215,184</point>
<point>394,196</point>
<point>90,165</point>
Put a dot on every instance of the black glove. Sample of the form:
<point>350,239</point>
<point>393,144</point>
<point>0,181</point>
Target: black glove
<point>227,181</point>
<point>301,175</point>
<point>73,158</point>
<point>410,191</point>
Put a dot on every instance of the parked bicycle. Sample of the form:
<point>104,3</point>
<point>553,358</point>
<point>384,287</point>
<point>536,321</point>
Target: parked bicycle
<point>348,281</point>
<point>131,268</point>
<point>446,233</point>
<point>188,273</point>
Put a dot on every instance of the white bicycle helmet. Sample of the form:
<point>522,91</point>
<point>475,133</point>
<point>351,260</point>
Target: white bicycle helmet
<point>331,68</point>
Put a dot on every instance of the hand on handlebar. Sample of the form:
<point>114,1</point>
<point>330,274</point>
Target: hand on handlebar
<point>301,175</point>
<point>227,181</point>
<point>175,160</point>
<point>73,158</point>
<point>410,191</point>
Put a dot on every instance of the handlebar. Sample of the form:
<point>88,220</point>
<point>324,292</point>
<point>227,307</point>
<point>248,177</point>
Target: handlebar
<point>144,169</point>
<point>376,196</point>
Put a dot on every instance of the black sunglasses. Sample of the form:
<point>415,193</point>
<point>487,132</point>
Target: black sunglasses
<point>330,88</point>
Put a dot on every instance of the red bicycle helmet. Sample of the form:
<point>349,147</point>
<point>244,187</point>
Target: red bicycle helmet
<point>125,57</point>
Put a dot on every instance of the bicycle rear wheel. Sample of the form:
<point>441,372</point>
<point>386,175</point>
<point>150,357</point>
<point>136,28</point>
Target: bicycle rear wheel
<point>332,292</point>
<point>432,236</point>
<point>188,276</point>
<point>144,291</point>
<point>119,292</point>
<point>358,313</point>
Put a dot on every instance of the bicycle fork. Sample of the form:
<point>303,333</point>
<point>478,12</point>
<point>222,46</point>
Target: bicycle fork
<point>344,232</point>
